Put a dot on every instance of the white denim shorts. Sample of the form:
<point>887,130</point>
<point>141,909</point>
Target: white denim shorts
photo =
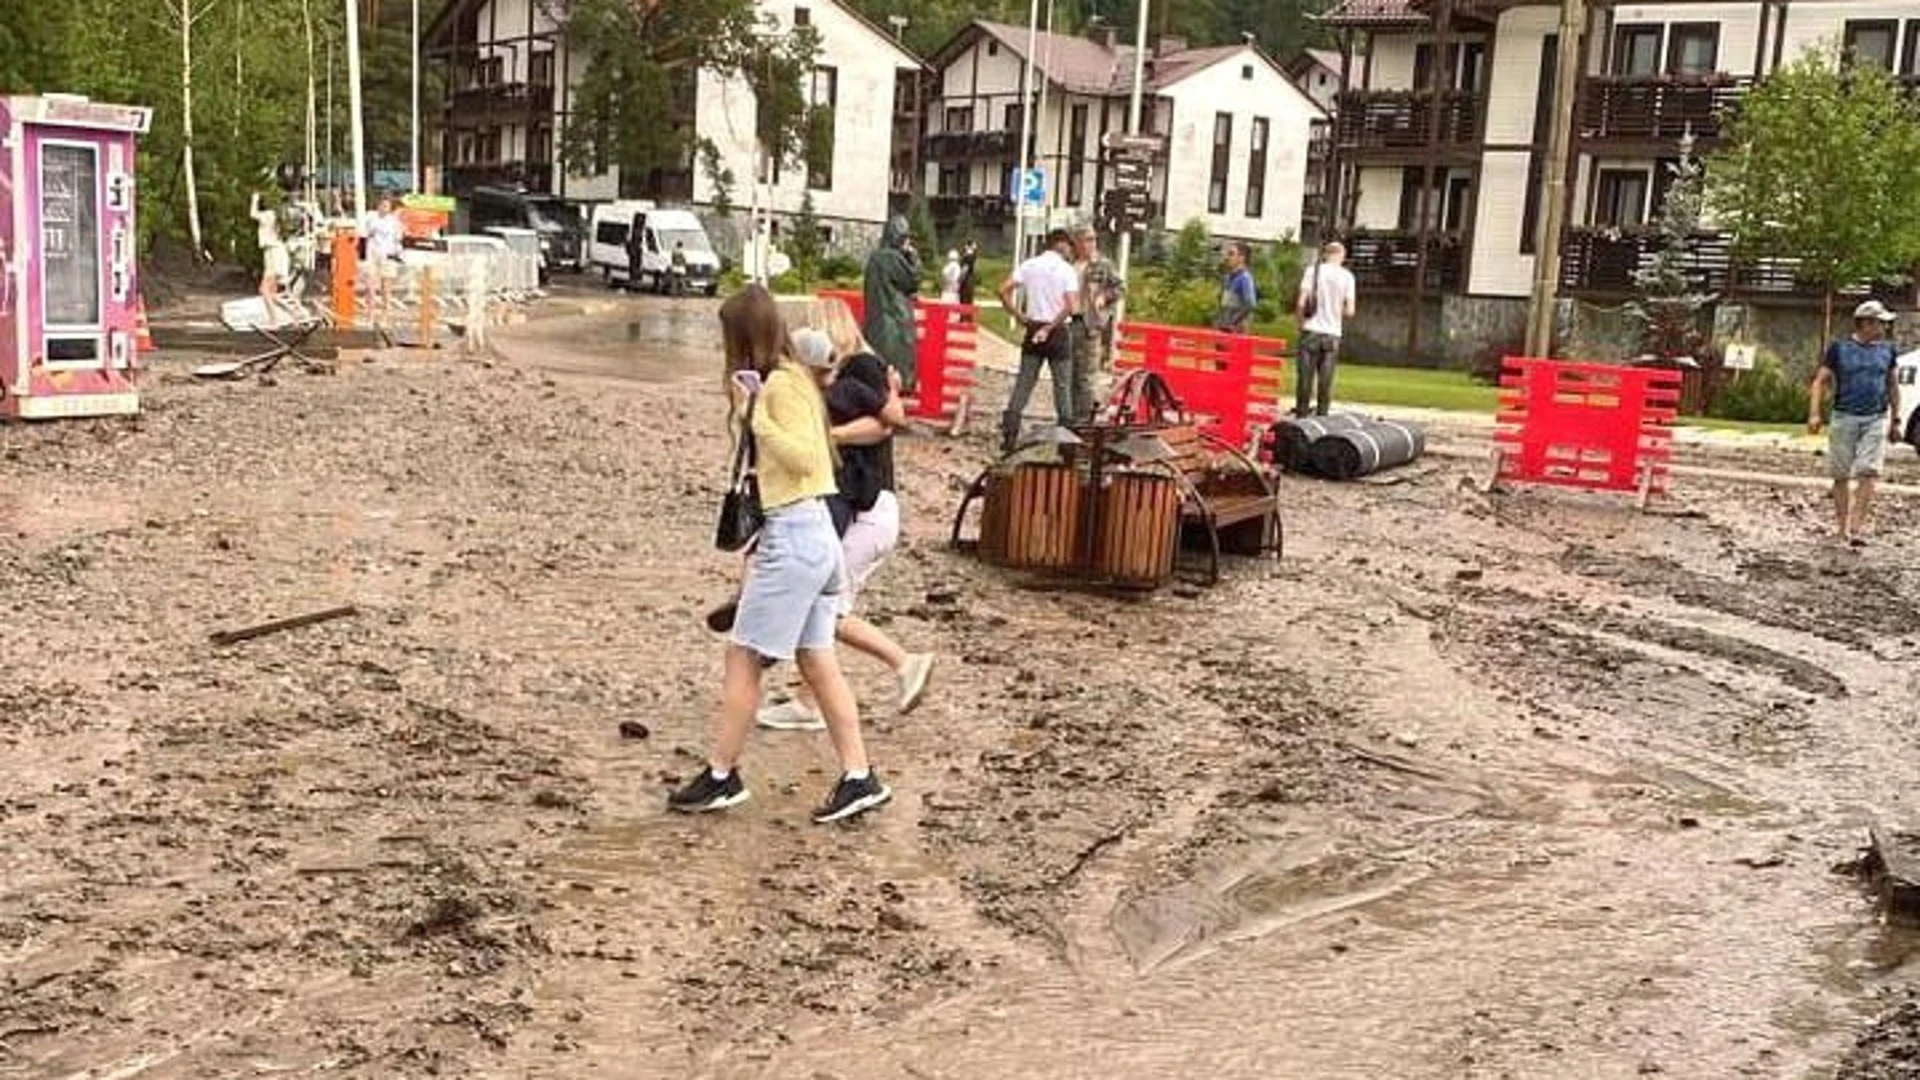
<point>794,583</point>
<point>869,540</point>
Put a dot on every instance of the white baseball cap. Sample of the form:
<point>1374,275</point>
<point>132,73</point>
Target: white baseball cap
<point>1873,309</point>
<point>812,348</point>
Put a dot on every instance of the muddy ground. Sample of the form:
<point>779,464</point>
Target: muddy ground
<point>1461,787</point>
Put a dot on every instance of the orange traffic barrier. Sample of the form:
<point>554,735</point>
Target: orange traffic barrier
<point>346,273</point>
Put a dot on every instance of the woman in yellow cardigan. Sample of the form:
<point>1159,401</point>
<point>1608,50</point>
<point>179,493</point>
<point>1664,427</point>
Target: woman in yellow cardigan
<point>791,599</point>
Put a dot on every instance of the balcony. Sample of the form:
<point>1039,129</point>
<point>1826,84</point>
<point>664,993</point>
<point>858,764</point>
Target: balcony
<point>983,209</point>
<point>1313,207</point>
<point>1399,123</point>
<point>477,103</point>
<point>1659,109</point>
<point>533,175</point>
<point>1391,260</point>
<point>1602,262</point>
<point>972,145</point>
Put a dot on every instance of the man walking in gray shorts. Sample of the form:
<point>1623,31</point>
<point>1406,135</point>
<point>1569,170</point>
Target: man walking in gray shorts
<point>1324,306</point>
<point>1859,371</point>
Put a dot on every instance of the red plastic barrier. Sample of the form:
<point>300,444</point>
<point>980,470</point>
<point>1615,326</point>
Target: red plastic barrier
<point>1230,381</point>
<point>945,358</point>
<point>1594,426</point>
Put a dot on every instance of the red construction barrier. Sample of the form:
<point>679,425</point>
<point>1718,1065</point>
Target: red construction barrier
<point>1594,426</point>
<point>1230,381</point>
<point>945,358</point>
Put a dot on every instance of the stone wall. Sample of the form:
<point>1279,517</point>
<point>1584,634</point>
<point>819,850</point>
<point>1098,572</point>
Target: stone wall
<point>1454,331</point>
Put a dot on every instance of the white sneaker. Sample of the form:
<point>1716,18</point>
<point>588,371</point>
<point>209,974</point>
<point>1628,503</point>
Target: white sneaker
<point>791,716</point>
<point>913,680</point>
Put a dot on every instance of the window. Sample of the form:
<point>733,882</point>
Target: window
<point>1459,190</point>
<point>820,127</point>
<point>959,118</point>
<point>540,146</point>
<point>1620,198</point>
<point>1636,50</point>
<point>1012,118</point>
<point>1222,161</point>
<point>1077,156</point>
<point>802,16</point>
<point>1693,49</point>
<point>1536,161</point>
<point>1257,168</point>
<point>1246,72</point>
<point>540,68</point>
<point>1910,52</point>
<point>1466,63</point>
<point>1870,41</point>
<point>993,48</point>
<point>954,180</point>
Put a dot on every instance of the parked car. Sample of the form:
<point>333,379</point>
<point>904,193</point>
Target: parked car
<point>650,246</point>
<point>562,234</point>
<point>1908,373</point>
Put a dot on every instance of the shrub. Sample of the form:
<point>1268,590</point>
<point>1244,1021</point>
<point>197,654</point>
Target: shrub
<point>1767,394</point>
<point>1191,256</point>
<point>841,269</point>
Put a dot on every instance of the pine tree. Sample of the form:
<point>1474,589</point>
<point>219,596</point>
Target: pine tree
<point>803,242</point>
<point>1669,303</point>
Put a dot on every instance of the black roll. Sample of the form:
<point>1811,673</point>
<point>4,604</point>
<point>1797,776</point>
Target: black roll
<point>1293,436</point>
<point>1365,449</point>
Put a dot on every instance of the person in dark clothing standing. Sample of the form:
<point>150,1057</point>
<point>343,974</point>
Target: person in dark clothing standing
<point>892,282</point>
<point>969,273</point>
<point>1237,294</point>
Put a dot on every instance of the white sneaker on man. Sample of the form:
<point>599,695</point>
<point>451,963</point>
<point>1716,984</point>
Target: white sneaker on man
<point>914,676</point>
<point>791,716</point>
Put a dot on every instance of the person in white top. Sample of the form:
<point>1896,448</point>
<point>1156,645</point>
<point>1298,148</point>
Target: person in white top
<point>1050,296</point>
<point>1325,304</point>
<point>385,239</point>
<point>950,276</point>
<point>278,266</point>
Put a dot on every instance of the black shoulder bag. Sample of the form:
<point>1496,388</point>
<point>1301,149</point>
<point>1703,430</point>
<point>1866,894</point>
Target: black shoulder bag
<point>1312,303</point>
<point>740,513</point>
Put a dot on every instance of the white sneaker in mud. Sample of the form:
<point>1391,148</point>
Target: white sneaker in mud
<point>914,677</point>
<point>851,798</point>
<point>790,716</point>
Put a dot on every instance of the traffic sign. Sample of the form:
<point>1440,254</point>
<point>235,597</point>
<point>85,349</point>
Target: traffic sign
<point>1120,142</point>
<point>1033,188</point>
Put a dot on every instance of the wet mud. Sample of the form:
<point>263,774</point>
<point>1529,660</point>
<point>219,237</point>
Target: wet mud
<point>1464,787</point>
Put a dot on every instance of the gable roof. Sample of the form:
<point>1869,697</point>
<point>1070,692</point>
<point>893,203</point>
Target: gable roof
<point>875,28</point>
<point>1081,65</point>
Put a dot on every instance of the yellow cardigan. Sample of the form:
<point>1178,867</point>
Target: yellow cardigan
<point>790,439</point>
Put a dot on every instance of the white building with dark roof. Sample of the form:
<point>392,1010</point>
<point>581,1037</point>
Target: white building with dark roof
<point>1236,128</point>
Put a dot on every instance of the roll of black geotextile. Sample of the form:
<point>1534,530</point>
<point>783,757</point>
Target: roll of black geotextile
<point>1365,449</point>
<point>1293,436</point>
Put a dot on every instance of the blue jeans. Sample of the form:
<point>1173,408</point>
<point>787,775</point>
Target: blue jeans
<point>791,599</point>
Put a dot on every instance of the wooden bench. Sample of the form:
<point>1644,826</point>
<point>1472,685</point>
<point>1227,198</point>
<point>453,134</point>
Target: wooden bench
<point>1230,500</point>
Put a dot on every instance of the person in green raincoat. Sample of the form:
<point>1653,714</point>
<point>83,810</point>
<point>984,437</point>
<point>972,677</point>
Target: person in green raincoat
<point>892,281</point>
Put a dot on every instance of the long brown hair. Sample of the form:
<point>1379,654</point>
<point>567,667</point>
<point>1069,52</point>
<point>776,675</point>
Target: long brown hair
<point>755,339</point>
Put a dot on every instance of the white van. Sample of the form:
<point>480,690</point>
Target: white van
<point>660,233</point>
<point>608,231</point>
<point>1908,371</point>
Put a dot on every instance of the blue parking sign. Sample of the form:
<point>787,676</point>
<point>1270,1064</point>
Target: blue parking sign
<point>1033,188</point>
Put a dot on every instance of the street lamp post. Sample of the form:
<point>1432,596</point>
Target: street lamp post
<point>1025,158</point>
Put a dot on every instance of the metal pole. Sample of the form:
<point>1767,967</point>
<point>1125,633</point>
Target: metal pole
<point>313,120</point>
<point>356,122</point>
<point>1040,116</point>
<point>1026,135</point>
<point>1546,270</point>
<point>331,180</point>
<point>413,133</point>
<point>1133,128</point>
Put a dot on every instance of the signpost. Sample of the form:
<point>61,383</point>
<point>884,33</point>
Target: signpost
<point>1126,206</point>
<point>1033,189</point>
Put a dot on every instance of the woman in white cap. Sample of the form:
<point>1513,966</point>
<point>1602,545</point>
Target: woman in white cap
<point>950,276</point>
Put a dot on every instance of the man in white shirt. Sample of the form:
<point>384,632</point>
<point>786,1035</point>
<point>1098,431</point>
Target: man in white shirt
<point>1050,296</point>
<point>1325,304</point>
<point>386,236</point>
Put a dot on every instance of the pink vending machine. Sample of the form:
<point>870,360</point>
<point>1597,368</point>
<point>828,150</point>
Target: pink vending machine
<point>68,303</point>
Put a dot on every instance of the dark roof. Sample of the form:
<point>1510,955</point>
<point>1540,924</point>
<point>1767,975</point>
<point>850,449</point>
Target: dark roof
<point>1083,66</point>
<point>1376,13</point>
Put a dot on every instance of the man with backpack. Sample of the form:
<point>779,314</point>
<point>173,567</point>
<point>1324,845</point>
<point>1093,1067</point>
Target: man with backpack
<point>1325,303</point>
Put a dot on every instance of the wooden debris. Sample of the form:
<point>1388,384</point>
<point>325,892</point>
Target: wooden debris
<point>234,637</point>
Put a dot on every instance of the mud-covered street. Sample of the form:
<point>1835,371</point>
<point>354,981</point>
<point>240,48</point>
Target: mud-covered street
<point>1525,786</point>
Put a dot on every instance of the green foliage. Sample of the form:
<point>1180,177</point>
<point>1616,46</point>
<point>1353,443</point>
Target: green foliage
<point>1191,255</point>
<point>1172,301</point>
<point>632,104</point>
<point>1818,166</point>
<point>840,269</point>
<point>1668,307</point>
<point>718,175</point>
<point>926,235</point>
<point>803,242</point>
<point>1767,394</point>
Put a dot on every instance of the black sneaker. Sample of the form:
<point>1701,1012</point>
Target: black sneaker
<point>704,794</point>
<point>851,798</point>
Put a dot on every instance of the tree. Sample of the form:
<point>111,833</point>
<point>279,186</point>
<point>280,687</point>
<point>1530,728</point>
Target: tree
<point>1668,306</point>
<point>1818,167</point>
<point>633,103</point>
<point>719,176</point>
<point>803,242</point>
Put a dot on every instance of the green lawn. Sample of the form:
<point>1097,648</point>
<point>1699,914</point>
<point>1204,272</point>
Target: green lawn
<point>1413,388</point>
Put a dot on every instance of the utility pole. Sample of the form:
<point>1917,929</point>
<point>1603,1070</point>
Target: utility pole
<point>413,133</point>
<point>356,122</point>
<point>1133,128</point>
<point>1026,136</point>
<point>1546,269</point>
